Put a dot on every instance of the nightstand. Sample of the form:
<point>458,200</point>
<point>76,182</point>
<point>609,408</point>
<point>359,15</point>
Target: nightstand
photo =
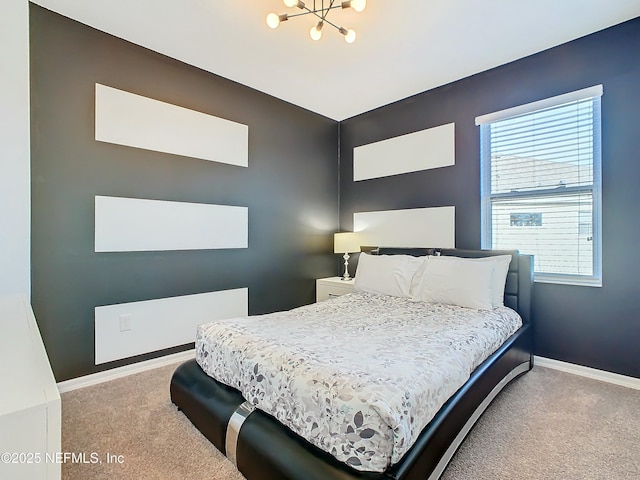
<point>332,287</point>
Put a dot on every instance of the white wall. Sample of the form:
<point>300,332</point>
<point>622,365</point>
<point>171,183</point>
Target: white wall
<point>15,192</point>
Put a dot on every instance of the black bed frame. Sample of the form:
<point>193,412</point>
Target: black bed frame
<point>267,450</point>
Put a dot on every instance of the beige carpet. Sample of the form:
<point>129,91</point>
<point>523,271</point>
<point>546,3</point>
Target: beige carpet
<point>546,425</point>
<point>135,418</point>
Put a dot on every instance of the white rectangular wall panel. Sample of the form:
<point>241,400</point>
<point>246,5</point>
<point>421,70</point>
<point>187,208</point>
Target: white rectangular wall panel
<point>130,329</point>
<point>417,227</point>
<point>132,224</point>
<point>431,148</point>
<point>133,120</point>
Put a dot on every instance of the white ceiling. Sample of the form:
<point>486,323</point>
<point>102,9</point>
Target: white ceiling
<point>404,46</point>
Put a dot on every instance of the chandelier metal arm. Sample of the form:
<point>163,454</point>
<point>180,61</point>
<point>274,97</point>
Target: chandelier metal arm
<point>315,11</point>
<point>323,17</point>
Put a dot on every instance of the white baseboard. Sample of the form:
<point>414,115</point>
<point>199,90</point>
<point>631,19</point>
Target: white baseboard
<point>119,372</point>
<point>603,376</point>
<point>100,377</point>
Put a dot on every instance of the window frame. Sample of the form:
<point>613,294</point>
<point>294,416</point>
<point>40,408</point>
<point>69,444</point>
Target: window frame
<point>595,189</point>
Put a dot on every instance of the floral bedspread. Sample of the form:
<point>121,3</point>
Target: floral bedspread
<point>359,376</point>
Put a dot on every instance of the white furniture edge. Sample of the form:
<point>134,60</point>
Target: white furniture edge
<point>120,372</point>
<point>30,407</point>
<point>337,280</point>
<point>332,286</point>
<point>595,374</point>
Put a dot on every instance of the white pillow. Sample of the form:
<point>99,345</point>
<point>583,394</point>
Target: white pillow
<point>455,281</point>
<point>386,274</point>
<point>498,277</point>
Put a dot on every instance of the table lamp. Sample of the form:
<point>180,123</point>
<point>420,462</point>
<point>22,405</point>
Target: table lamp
<point>346,242</point>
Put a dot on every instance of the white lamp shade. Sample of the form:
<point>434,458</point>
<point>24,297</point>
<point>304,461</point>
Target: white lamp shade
<point>346,242</point>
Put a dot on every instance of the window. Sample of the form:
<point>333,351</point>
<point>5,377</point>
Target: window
<point>541,187</point>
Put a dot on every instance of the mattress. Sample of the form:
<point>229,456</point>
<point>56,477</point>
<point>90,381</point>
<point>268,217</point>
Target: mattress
<point>358,376</point>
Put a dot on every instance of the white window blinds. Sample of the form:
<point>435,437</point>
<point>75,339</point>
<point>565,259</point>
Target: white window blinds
<point>541,184</point>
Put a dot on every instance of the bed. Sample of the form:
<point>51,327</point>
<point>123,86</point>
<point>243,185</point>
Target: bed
<point>220,389</point>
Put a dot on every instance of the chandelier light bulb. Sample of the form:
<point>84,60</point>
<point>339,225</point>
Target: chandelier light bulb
<point>358,5</point>
<point>350,36</point>
<point>273,20</point>
<point>316,31</point>
<point>290,3</point>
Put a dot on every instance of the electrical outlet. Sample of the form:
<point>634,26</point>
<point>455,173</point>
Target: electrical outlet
<point>125,322</point>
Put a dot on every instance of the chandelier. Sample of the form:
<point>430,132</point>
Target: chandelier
<point>321,12</point>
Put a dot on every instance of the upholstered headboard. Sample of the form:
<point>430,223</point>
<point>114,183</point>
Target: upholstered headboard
<point>517,291</point>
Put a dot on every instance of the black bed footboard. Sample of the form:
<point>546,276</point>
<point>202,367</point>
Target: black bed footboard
<point>266,450</point>
<point>207,403</point>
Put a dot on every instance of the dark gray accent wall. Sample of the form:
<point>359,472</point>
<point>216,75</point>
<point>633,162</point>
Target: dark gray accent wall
<point>290,189</point>
<point>595,327</point>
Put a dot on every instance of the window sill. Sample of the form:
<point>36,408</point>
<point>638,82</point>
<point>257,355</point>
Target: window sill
<point>578,282</point>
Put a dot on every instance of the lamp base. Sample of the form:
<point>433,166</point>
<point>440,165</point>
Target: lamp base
<point>346,276</point>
